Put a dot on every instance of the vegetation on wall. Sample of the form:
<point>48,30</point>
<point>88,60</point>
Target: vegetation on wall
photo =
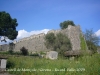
<point>83,43</point>
<point>58,42</point>
<point>50,40</point>
<point>65,24</point>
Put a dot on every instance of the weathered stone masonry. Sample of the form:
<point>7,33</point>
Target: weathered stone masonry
<point>36,42</point>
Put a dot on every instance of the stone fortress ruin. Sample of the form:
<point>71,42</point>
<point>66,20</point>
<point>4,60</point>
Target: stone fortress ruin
<point>36,42</point>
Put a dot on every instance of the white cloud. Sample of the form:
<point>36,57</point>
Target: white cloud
<point>8,41</point>
<point>98,33</point>
<point>23,33</point>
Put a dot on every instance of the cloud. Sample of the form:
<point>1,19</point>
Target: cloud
<point>23,33</point>
<point>98,33</point>
<point>8,41</point>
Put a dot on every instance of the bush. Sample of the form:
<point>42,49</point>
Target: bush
<point>24,51</point>
<point>91,46</point>
<point>50,40</point>
<point>17,53</point>
<point>10,52</point>
<point>10,64</point>
<point>65,24</point>
<point>58,42</point>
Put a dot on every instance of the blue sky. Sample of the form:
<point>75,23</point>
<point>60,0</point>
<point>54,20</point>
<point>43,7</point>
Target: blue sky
<point>35,15</point>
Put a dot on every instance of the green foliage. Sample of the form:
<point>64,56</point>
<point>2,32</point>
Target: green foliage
<point>92,40</point>
<point>65,24</point>
<point>83,43</point>
<point>42,53</point>
<point>50,40</point>
<point>24,51</point>
<point>4,52</point>
<point>10,52</point>
<point>10,64</point>
<point>8,26</point>
<point>34,54</point>
<point>91,36</point>
<point>62,43</point>
<point>17,53</point>
<point>58,42</point>
<point>91,46</point>
<point>86,65</point>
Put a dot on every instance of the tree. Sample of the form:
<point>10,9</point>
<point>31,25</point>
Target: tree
<point>50,40</point>
<point>91,46</point>
<point>58,42</point>
<point>92,40</point>
<point>24,51</point>
<point>65,24</point>
<point>91,36</point>
<point>62,44</point>
<point>7,26</point>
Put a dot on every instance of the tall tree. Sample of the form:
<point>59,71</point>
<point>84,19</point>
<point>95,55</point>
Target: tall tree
<point>7,26</point>
<point>65,24</point>
<point>92,40</point>
<point>91,36</point>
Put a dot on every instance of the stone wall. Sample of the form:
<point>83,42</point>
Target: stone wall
<point>74,36</point>
<point>32,43</point>
<point>4,47</point>
<point>36,42</point>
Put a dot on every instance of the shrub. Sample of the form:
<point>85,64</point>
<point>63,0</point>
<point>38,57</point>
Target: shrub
<point>65,24</point>
<point>58,42</point>
<point>91,46</point>
<point>24,51</point>
<point>10,52</point>
<point>10,64</point>
<point>17,53</point>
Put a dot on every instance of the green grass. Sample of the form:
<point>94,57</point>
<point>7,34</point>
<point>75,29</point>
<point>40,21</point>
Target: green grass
<point>86,65</point>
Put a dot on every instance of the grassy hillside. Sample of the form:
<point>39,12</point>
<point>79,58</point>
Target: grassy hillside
<point>25,65</point>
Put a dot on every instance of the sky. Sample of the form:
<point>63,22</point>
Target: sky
<point>37,16</point>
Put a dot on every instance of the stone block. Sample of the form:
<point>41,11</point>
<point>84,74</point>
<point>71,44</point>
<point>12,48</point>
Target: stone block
<point>52,55</point>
